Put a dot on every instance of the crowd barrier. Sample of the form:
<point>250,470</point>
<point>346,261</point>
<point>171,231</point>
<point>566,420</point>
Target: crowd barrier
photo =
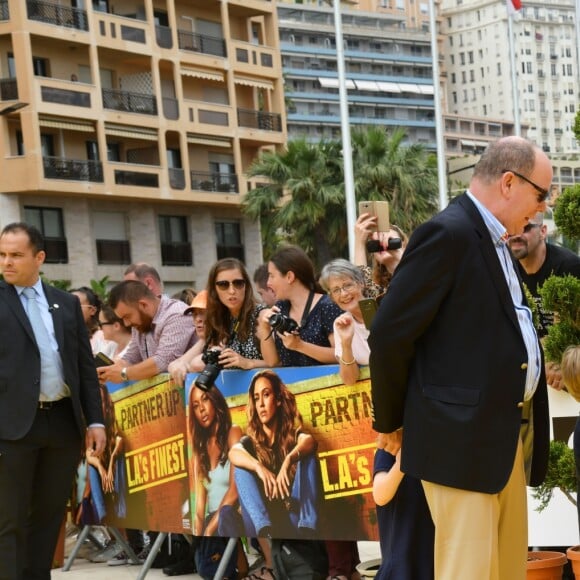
<point>154,479</point>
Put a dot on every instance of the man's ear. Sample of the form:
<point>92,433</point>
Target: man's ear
<point>544,231</point>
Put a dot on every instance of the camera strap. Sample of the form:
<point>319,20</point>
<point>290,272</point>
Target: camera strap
<point>307,307</point>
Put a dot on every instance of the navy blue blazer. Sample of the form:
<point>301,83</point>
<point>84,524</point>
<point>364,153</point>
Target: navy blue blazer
<point>448,362</point>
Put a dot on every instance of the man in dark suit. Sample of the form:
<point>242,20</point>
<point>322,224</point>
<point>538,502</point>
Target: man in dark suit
<point>49,393</point>
<point>456,368</point>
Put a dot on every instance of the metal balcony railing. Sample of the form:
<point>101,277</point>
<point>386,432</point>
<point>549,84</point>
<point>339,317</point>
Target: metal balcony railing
<point>131,102</point>
<point>259,120</point>
<point>56,250</point>
<point>210,181</point>
<point>53,13</point>
<point>73,169</point>
<point>176,254</point>
<point>113,252</point>
<point>8,89</point>
<point>201,43</point>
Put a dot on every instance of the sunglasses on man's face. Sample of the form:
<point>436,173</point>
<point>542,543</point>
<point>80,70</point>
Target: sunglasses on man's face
<point>238,284</point>
<point>542,193</point>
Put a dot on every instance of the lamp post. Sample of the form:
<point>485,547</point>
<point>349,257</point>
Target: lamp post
<point>345,131</point>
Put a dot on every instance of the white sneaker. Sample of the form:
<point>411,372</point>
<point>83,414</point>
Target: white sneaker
<point>119,560</point>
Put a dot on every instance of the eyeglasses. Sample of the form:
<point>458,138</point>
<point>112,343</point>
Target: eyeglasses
<point>543,193</point>
<point>529,227</point>
<point>238,284</point>
<point>101,324</point>
<point>346,288</point>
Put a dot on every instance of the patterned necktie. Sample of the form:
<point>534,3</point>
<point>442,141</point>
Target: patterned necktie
<point>50,379</point>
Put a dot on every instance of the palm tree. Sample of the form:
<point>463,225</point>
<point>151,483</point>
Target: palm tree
<point>304,201</point>
<point>404,175</point>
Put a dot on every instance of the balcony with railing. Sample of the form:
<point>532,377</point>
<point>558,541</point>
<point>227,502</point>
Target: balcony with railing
<point>8,89</point>
<point>72,169</point>
<point>163,36</point>
<point>4,10</point>
<point>259,120</point>
<point>216,182</point>
<point>202,43</point>
<point>53,13</point>
<point>131,102</point>
<point>62,96</point>
<point>134,177</point>
<point>56,250</point>
<point>176,254</point>
<point>176,178</point>
<point>113,252</point>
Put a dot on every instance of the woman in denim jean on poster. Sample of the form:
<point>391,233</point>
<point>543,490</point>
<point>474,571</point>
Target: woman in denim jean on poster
<point>276,470</point>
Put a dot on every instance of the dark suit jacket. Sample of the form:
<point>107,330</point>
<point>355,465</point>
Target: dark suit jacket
<point>448,359</point>
<point>20,362</point>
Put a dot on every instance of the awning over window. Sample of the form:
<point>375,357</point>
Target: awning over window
<point>84,126</point>
<point>199,73</point>
<point>131,132</point>
<point>207,140</point>
<point>409,88</point>
<point>426,89</point>
<point>389,87</point>
<point>367,86</point>
<point>330,83</point>
<point>257,83</point>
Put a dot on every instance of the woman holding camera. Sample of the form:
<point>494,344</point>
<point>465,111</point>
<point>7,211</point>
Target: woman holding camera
<point>299,297</point>
<point>231,317</point>
<point>386,249</point>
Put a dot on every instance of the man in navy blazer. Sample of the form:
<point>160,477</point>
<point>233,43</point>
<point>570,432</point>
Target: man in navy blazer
<point>43,421</point>
<point>457,369</point>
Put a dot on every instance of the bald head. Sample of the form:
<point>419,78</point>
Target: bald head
<point>511,180</point>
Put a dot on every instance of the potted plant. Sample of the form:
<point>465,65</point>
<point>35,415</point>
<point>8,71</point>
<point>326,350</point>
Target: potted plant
<point>561,295</point>
<point>544,565</point>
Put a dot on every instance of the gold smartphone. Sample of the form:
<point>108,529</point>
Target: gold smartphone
<point>380,209</point>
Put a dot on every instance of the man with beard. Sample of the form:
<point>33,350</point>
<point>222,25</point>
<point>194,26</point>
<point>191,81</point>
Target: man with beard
<point>538,260</point>
<point>160,332</point>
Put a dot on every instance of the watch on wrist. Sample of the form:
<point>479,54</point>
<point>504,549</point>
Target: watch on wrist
<point>124,374</point>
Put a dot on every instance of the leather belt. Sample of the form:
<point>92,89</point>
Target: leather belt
<point>48,405</point>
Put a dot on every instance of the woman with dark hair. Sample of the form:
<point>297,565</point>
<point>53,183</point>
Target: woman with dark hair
<point>299,297</point>
<point>231,317</point>
<point>384,262</point>
<point>91,306</point>
<point>114,331</point>
<point>276,470</point>
<point>212,436</point>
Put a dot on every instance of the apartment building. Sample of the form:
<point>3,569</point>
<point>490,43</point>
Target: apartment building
<point>387,60</point>
<point>128,126</point>
<point>479,81</point>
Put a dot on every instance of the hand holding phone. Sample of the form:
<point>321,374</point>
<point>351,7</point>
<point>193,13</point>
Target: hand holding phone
<point>379,209</point>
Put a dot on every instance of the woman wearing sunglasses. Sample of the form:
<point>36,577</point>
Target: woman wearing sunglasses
<point>231,317</point>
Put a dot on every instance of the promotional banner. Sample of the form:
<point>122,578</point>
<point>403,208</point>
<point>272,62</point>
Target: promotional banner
<point>299,430</point>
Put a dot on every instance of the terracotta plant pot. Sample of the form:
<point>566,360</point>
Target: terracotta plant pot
<point>573,554</point>
<point>545,565</point>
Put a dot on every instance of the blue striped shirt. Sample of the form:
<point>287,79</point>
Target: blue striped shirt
<point>499,237</point>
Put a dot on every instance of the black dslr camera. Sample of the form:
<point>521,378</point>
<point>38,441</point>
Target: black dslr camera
<point>210,372</point>
<point>374,246</point>
<point>282,323</point>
